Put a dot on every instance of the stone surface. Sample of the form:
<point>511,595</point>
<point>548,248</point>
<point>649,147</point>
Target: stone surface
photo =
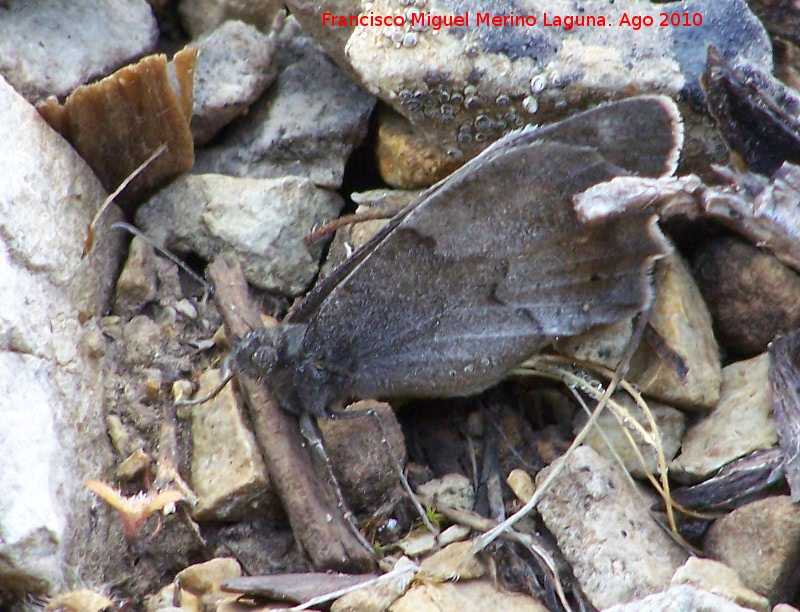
<point>453,562</point>
<point>406,159</point>
<point>205,578</point>
<point>263,221</point>
<point>719,579</point>
<point>741,422</point>
<point>234,67</point>
<point>360,456</point>
<point>761,542</point>
<point>670,423</point>
<point>138,282</point>
<point>616,549</point>
<point>201,16</point>
<point>228,473</point>
<point>685,371</point>
<point>454,490</point>
<point>471,596</point>
<point>751,295</point>
<point>378,597</point>
<point>682,598</point>
<point>49,382</point>
<point>48,49</point>
<point>306,125</point>
<point>466,86</point>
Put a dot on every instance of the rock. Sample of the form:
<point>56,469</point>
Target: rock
<point>49,49</point>
<point>467,86</point>
<point>680,599</point>
<point>81,600</point>
<point>471,596</point>
<point>138,282</point>
<point>719,579</point>
<point>680,366</point>
<point>616,549</point>
<point>306,125</point>
<point>453,562</point>
<point>360,456</point>
<point>263,221</point>
<point>53,435</point>
<point>521,483</point>
<point>228,473</point>
<point>761,542</point>
<point>741,422</point>
<point>421,541</point>
<point>309,14</point>
<point>234,67</point>
<point>452,490</point>
<point>378,597</point>
<point>406,159</point>
<point>201,16</point>
<point>751,295</point>
<point>670,424</point>
<point>204,578</point>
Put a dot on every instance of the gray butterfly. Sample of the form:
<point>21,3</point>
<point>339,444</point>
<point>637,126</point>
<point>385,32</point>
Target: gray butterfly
<point>482,270</point>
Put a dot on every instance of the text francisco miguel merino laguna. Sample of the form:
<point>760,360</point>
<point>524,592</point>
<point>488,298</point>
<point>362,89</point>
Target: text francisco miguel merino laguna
<point>436,22</point>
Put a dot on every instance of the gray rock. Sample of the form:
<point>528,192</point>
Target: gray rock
<point>616,549</point>
<point>761,542</point>
<point>306,125</point>
<point>741,422</point>
<point>670,423</point>
<point>234,67</point>
<point>467,86</point>
<point>682,598</point>
<point>49,48</point>
<point>228,473</point>
<point>53,435</point>
<point>719,579</point>
<point>262,220</point>
<point>201,16</point>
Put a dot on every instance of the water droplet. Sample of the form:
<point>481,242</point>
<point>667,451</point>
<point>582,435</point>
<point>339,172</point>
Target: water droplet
<point>413,105</point>
<point>429,111</point>
<point>397,37</point>
<point>456,154</point>
<point>531,104</point>
<point>464,138</point>
<point>456,97</point>
<point>444,97</point>
<point>404,95</point>
<point>410,39</point>
<point>473,103</point>
<point>538,83</point>
<point>484,122</point>
<point>486,362</point>
<point>470,90</point>
<point>419,94</point>
<point>501,125</point>
<point>503,100</point>
<point>480,137</point>
<point>446,109</point>
<point>452,373</point>
<point>469,369</point>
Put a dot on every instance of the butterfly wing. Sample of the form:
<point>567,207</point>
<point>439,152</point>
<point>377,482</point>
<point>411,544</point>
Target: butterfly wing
<point>491,264</point>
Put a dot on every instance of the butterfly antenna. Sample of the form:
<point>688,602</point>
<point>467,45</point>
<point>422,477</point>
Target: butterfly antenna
<point>228,375</point>
<point>121,225</point>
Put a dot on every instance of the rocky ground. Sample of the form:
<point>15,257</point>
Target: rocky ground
<point>261,126</point>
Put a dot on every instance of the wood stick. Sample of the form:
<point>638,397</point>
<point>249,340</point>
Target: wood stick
<point>316,519</point>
